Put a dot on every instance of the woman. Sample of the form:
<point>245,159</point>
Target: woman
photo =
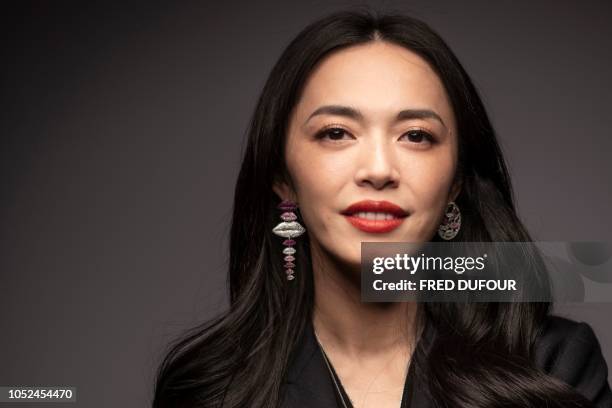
<point>369,129</point>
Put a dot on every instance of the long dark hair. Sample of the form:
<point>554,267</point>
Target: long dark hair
<point>482,355</point>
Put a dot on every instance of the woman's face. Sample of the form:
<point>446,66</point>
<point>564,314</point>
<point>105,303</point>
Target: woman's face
<point>361,131</point>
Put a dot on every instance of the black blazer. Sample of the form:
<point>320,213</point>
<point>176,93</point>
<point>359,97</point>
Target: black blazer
<point>567,350</point>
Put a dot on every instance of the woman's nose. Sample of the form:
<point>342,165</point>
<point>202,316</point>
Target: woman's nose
<point>377,165</point>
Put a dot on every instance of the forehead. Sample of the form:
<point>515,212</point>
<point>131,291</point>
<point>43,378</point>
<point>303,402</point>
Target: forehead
<point>379,78</point>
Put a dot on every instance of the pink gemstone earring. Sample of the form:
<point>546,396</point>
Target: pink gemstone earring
<point>449,228</point>
<point>289,228</point>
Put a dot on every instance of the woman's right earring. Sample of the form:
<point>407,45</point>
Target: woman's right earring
<point>449,228</point>
<point>289,228</point>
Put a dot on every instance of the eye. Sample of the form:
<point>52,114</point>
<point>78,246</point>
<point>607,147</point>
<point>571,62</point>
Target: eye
<point>332,133</point>
<point>418,136</point>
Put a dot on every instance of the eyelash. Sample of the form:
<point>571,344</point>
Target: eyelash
<point>323,133</point>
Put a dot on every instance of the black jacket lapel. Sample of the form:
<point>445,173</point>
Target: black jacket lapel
<point>308,383</point>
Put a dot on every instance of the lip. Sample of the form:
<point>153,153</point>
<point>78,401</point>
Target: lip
<point>375,226</point>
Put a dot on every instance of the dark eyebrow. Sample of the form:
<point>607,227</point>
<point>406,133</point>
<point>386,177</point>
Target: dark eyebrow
<point>353,113</point>
<point>419,114</point>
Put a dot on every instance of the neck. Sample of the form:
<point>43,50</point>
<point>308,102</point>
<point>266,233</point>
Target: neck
<point>357,328</point>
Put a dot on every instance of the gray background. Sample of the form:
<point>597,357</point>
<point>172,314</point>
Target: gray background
<point>122,129</point>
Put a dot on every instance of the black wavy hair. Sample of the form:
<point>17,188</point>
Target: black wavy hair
<point>483,353</point>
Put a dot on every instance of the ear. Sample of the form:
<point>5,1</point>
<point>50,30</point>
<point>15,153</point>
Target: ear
<point>283,191</point>
<point>455,190</point>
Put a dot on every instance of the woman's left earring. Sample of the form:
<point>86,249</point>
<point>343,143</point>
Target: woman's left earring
<point>451,224</point>
<point>289,228</point>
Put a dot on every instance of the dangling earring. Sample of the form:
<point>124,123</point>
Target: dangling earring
<point>451,224</point>
<point>288,229</point>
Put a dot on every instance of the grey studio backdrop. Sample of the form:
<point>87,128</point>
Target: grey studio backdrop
<point>122,129</point>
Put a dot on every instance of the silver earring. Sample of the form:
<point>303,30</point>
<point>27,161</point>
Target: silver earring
<point>289,228</point>
<point>451,224</point>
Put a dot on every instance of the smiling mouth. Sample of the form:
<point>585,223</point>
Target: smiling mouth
<point>375,222</point>
<point>370,215</point>
<point>375,216</point>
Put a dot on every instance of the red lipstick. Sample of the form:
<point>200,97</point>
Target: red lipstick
<point>376,225</point>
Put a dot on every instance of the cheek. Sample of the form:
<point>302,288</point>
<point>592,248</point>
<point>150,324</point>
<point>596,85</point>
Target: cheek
<point>430,181</point>
<point>318,175</point>
<point>318,181</point>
